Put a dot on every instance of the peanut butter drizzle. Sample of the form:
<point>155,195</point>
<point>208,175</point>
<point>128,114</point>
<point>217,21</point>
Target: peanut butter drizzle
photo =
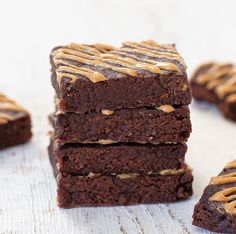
<point>230,201</point>
<point>155,44</point>
<point>81,47</point>
<point>145,48</point>
<point>127,176</point>
<point>106,142</point>
<point>227,87</point>
<point>171,171</point>
<point>215,72</point>
<point>219,77</point>
<point>231,164</point>
<point>83,58</point>
<point>162,65</point>
<point>7,105</point>
<point>129,61</point>
<point>103,55</point>
<point>155,50</point>
<point>4,118</point>
<point>92,75</point>
<point>146,52</point>
<point>227,195</point>
<point>104,47</point>
<point>231,98</point>
<point>224,179</point>
<point>166,108</point>
<point>107,112</point>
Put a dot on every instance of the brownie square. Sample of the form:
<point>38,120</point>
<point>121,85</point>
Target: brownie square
<point>126,189</point>
<point>96,77</point>
<point>143,125</point>
<point>216,209</point>
<point>216,83</point>
<point>15,123</point>
<point>120,189</point>
<point>118,158</point>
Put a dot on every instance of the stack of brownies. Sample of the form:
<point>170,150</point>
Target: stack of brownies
<point>120,125</point>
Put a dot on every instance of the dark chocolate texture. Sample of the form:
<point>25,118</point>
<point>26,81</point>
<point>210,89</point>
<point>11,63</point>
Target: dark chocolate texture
<point>120,189</point>
<point>74,191</point>
<point>143,125</point>
<point>118,158</point>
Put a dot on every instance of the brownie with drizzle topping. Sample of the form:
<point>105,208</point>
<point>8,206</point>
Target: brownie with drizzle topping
<point>76,190</point>
<point>142,125</point>
<point>120,124</point>
<point>118,158</point>
<point>96,77</point>
<point>216,210</point>
<point>15,123</point>
<point>216,83</point>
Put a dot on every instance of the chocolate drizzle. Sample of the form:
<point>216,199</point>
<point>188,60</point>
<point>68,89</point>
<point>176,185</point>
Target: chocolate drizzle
<point>221,78</point>
<point>76,60</point>
<point>227,195</point>
<point>9,110</point>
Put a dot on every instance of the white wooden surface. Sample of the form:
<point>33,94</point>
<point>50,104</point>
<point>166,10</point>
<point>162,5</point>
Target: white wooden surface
<point>29,29</point>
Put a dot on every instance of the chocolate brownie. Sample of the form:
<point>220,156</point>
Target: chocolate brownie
<point>15,124</point>
<point>99,76</point>
<point>216,209</point>
<point>143,125</point>
<point>216,83</point>
<point>121,189</point>
<point>118,158</point>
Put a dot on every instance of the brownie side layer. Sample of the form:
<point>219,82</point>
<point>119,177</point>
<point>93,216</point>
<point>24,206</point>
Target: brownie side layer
<point>118,158</point>
<point>131,125</point>
<point>128,92</point>
<point>15,132</point>
<point>211,215</point>
<point>74,191</point>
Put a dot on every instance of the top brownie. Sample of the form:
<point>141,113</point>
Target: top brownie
<point>99,76</point>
